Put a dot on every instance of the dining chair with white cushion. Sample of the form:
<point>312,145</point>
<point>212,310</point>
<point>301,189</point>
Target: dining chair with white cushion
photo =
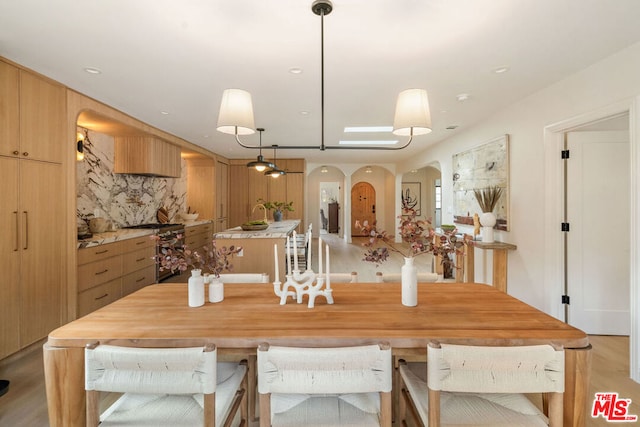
<point>484,386</point>
<point>325,386</point>
<point>164,386</point>
<point>244,277</point>
<point>397,277</point>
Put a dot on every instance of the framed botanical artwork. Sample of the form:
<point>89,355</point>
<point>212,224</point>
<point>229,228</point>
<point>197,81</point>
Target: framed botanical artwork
<point>410,197</point>
<point>486,165</point>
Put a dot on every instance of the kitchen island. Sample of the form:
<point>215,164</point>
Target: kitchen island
<point>257,255</point>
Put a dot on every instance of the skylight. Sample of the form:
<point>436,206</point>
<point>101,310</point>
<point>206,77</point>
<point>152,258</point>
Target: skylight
<point>353,129</point>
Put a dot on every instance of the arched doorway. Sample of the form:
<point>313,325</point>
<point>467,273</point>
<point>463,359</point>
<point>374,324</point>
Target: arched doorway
<point>363,205</point>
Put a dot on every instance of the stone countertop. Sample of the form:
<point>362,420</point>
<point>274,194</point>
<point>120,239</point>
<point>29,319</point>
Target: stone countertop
<point>276,230</point>
<point>114,236</point>
<point>127,233</point>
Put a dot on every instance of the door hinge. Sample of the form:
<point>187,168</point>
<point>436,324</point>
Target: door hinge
<point>565,226</point>
<point>565,154</point>
<point>566,299</point>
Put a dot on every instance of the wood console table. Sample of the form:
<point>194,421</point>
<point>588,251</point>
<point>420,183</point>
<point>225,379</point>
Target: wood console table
<point>500,251</point>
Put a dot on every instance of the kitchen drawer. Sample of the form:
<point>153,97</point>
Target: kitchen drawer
<point>197,241</point>
<point>95,273</point>
<point>131,245</point>
<point>99,296</point>
<point>196,229</point>
<point>137,260</point>
<point>96,253</point>
<point>138,279</point>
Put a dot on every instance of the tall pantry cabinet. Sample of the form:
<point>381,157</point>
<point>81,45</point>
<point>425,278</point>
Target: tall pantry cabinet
<point>32,134</point>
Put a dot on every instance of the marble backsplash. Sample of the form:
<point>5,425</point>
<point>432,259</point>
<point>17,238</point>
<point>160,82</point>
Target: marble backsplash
<point>124,199</point>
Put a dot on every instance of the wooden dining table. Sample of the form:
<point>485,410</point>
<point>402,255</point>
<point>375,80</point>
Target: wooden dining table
<point>363,313</point>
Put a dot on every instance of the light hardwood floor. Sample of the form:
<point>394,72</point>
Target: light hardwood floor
<point>25,403</point>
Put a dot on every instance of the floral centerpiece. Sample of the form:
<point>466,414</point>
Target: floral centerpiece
<point>278,207</point>
<point>174,256</point>
<point>420,236</point>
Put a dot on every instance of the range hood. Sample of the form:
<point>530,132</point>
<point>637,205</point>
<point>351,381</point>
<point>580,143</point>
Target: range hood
<point>146,155</point>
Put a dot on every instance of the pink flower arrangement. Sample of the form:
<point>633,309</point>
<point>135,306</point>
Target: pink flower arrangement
<point>176,257</point>
<point>422,239</point>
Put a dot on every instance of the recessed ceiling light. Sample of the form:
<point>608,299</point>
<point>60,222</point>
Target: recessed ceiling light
<point>164,113</point>
<point>462,97</point>
<point>501,70</point>
<point>377,142</point>
<point>349,129</point>
<point>304,113</point>
<point>92,70</point>
<point>295,70</point>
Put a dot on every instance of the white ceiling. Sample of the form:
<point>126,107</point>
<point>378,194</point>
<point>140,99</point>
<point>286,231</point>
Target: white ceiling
<point>178,57</point>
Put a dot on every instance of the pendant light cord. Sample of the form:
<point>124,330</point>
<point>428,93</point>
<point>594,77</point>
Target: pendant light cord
<point>321,80</point>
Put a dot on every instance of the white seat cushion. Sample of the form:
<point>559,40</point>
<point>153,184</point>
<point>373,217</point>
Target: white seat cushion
<point>472,409</point>
<point>324,411</point>
<point>171,410</point>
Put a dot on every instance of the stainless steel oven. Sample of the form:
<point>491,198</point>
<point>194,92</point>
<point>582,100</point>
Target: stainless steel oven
<point>166,233</point>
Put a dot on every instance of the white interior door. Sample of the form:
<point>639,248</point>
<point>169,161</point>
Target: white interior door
<point>598,211</point>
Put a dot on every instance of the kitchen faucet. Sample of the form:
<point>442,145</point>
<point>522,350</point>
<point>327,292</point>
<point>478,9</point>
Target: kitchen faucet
<point>260,205</point>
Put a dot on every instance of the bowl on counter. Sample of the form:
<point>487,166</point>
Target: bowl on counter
<point>254,226</point>
<point>189,216</point>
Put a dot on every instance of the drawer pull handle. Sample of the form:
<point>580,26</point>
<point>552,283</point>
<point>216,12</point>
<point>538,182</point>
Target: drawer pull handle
<point>102,252</point>
<point>141,243</point>
<point>103,296</point>
<point>141,279</point>
<point>140,259</point>
<point>102,272</point>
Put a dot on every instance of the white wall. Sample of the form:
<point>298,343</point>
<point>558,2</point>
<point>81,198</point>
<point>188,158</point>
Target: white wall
<point>607,82</point>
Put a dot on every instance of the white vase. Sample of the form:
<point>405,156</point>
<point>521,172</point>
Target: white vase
<point>487,221</point>
<point>196,289</point>
<point>216,290</point>
<point>409,275</point>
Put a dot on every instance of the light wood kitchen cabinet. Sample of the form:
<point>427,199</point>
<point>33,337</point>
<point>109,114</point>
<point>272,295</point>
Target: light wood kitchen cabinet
<point>9,110</point>
<point>146,155</point>
<point>30,216</point>
<point>10,250</point>
<point>222,194</point>
<point>138,265</point>
<point>198,235</point>
<point>110,271</point>
<point>207,189</point>
<point>32,115</point>
<point>32,130</point>
<point>99,276</point>
<point>239,188</point>
<point>247,186</point>
<point>99,296</point>
<point>201,187</point>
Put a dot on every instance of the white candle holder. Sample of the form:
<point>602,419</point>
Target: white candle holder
<point>298,284</point>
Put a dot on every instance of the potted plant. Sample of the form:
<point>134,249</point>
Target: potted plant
<point>487,200</point>
<point>278,208</point>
